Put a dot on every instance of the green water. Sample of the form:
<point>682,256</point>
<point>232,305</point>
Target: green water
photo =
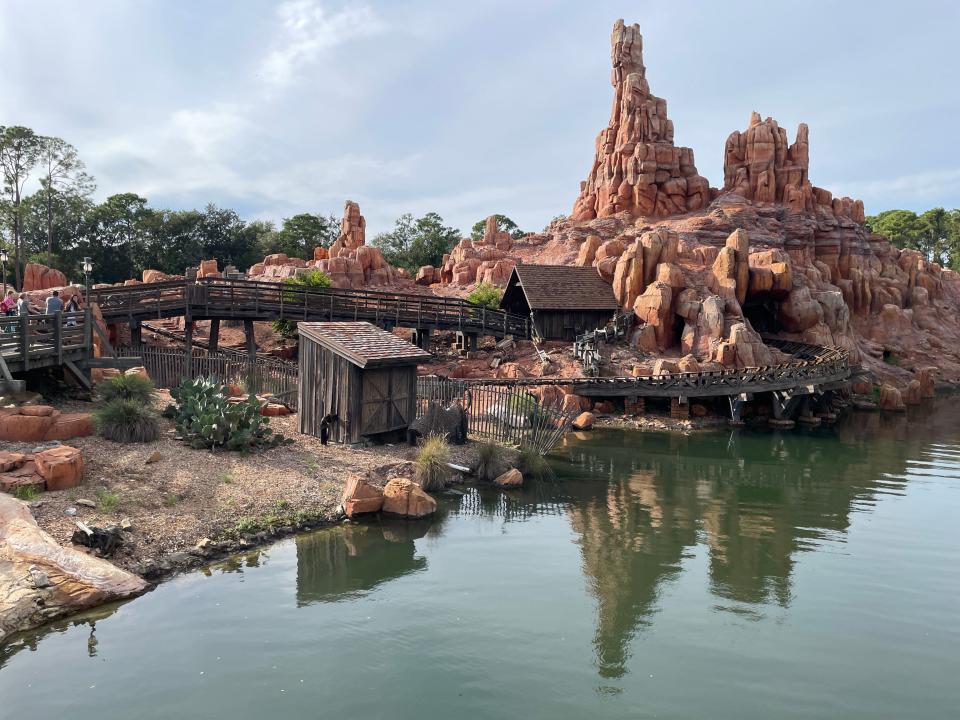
<point>729,575</point>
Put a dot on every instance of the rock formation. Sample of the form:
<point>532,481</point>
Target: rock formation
<point>489,259</point>
<point>41,581</point>
<point>637,168</point>
<point>349,261</point>
<point>41,277</point>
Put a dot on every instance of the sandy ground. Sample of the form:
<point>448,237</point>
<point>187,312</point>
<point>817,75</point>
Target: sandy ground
<point>225,499</point>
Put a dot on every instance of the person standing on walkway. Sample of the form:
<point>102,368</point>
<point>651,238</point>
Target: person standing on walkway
<point>54,304</point>
<point>73,306</point>
<point>23,305</point>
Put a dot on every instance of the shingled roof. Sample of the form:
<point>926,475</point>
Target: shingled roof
<point>562,287</point>
<point>363,344</point>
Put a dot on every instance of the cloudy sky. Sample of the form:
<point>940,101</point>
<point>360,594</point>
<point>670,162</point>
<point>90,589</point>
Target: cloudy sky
<point>469,108</point>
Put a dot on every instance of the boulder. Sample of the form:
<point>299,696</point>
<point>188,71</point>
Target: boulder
<point>604,407</point>
<point>913,394</point>
<point>360,497</point>
<point>40,580</point>
<point>70,425</point>
<point>61,467</point>
<point>512,478</point>
<point>15,427</point>
<point>40,277</point>
<point>584,421</point>
<point>406,498</point>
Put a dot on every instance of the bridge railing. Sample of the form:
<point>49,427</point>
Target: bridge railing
<point>218,297</point>
<point>40,339</point>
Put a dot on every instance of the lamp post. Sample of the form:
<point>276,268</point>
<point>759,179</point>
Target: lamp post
<point>87,269</point>
<point>3,261</point>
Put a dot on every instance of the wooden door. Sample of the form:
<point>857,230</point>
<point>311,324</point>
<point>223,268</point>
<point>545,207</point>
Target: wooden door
<point>386,401</point>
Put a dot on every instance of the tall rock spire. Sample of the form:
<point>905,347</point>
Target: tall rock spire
<point>636,167</point>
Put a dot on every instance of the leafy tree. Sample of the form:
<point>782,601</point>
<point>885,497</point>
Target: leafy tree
<point>504,224</point>
<point>300,234</point>
<point>19,154</point>
<point>415,243</point>
<point>118,236</point>
<point>62,174</point>
<point>313,280</point>
<point>486,295</point>
<point>935,233</point>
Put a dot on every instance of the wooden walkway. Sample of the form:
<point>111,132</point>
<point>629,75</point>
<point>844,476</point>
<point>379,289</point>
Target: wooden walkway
<point>234,299</point>
<point>39,341</point>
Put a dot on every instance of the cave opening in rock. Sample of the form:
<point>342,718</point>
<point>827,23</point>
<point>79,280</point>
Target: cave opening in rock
<point>764,315</point>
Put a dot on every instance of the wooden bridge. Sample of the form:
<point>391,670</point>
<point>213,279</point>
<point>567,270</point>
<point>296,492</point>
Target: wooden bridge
<point>38,341</point>
<point>218,299</point>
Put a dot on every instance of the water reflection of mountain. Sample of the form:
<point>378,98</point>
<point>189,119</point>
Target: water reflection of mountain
<point>755,500</point>
<point>341,562</point>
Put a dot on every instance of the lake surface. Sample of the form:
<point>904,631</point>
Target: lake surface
<point>736,574</point>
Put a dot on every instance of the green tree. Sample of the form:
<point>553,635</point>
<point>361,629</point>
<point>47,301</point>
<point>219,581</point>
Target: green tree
<point>117,238</point>
<point>901,227</point>
<point>62,174</point>
<point>504,224</point>
<point>300,234</point>
<point>486,295</point>
<point>935,233</point>
<point>19,154</point>
<point>415,243</point>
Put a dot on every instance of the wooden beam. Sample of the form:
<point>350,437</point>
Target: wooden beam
<point>121,363</point>
<point>104,339</point>
<point>188,349</point>
<point>251,340</point>
<point>214,342</point>
<point>78,374</point>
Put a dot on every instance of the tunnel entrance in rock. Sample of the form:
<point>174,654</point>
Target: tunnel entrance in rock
<point>764,315</point>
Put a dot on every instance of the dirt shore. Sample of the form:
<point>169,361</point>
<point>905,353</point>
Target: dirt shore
<point>185,506</point>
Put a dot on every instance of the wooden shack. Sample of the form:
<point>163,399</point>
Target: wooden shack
<point>363,379</point>
<point>563,300</point>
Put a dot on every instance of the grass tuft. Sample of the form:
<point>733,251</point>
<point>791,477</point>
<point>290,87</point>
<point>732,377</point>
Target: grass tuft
<point>127,387</point>
<point>27,493</point>
<point>491,461</point>
<point>107,501</point>
<point>533,465</point>
<point>126,420</point>
<point>432,469</point>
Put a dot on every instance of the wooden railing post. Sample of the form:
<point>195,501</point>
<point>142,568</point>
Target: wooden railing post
<point>25,340</point>
<point>58,336</point>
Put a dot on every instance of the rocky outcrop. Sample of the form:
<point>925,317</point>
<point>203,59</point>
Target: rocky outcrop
<point>636,167</point>
<point>360,497</point>
<point>349,261</point>
<point>490,259</point>
<point>512,478</point>
<point>41,277</point>
<point>40,580</point>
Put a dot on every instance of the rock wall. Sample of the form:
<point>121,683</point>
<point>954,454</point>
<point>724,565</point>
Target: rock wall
<point>41,277</point>
<point>489,259</point>
<point>637,168</point>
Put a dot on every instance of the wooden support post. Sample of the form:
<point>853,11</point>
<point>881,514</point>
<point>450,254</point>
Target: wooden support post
<point>58,337</point>
<point>472,341</point>
<point>736,410</point>
<point>251,340</point>
<point>188,349</point>
<point>25,340</point>
<point>634,405</point>
<point>421,338</point>
<point>679,409</point>
<point>136,333</point>
<point>214,342</point>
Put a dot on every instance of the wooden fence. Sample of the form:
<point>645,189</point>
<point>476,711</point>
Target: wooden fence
<point>513,416</point>
<point>168,366</point>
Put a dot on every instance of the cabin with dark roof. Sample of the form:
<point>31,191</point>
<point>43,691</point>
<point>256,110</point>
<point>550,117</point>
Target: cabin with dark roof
<point>562,300</point>
<point>357,382</point>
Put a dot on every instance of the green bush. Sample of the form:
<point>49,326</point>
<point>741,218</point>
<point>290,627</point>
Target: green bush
<point>27,493</point>
<point>432,470</point>
<point>533,465</point>
<point>205,418</point>
<point>127,387</point>
<point>315,279</point>
<point>490,462</point>
<point>126,420</point>
<point>486,295</point>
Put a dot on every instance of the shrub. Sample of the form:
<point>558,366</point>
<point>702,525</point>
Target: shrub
<point>205,418</point>
<point>126,420</point>
<point>432,469</point>
<point>533,465</point>
<point>315,279</point>
<point>127,387</point>
<point>490,462</point>
<point>106,500</point>
<point>27,493</point>
<point>486,295</point>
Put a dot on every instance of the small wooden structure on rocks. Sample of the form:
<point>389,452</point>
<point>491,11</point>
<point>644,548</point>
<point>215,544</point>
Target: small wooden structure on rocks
<point>563,300</point>
<point>356,381</point>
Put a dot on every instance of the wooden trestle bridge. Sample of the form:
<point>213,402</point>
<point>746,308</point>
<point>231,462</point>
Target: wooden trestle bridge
<point>67,339</point>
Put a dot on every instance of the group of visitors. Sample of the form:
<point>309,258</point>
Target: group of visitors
<point>13,304</point>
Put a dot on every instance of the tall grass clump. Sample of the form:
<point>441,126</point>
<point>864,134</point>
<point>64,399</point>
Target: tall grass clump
<point>533,465</point>
<point>124,420</point>
<point>432,470</point>
<point>127,387</point>
<point>490,462</point>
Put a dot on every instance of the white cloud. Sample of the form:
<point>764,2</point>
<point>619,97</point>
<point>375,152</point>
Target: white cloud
<point>307,30</point>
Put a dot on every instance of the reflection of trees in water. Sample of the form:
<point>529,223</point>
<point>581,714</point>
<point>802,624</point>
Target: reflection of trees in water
<point>342,562</point>
<point>755,499</point>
